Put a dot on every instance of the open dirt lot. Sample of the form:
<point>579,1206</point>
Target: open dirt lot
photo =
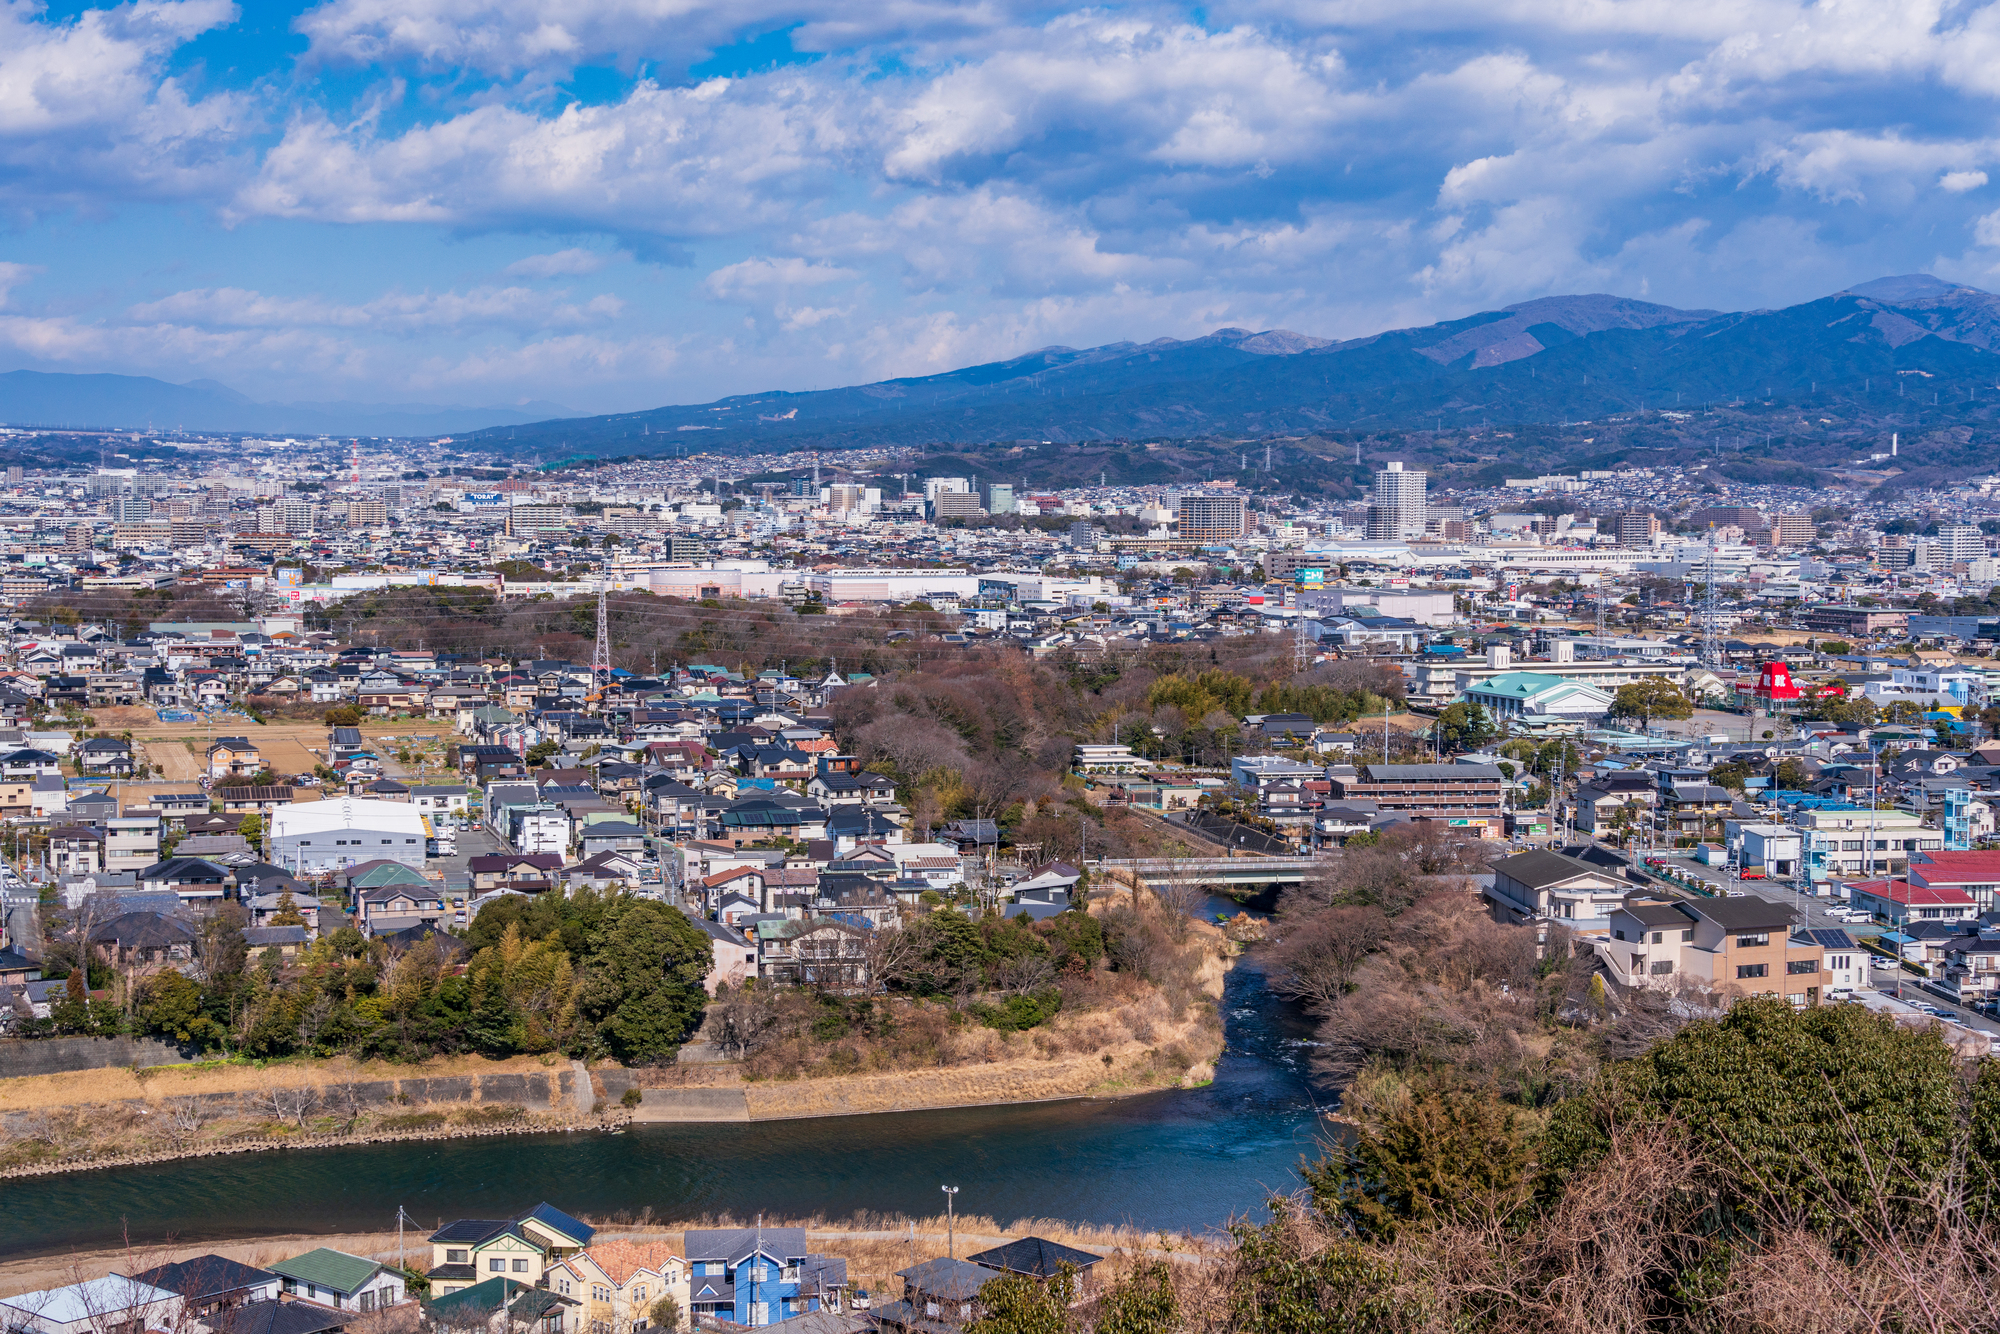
<point>287,747</point>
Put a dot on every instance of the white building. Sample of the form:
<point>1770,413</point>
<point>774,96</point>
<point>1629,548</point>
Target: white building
<point>337,833</point>
<point>109,1305</point>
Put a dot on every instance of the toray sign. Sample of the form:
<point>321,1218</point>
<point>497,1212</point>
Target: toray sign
<point>1774,682</point>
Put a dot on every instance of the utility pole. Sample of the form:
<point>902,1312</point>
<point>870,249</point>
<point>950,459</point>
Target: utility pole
<point>950,1226</point>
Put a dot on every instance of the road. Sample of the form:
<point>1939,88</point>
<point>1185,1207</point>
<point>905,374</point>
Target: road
<point>473,841</point>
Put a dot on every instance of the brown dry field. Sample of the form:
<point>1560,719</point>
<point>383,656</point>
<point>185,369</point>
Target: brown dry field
<point>289,747</point>
<point>874,1247</point>
<point>154,1083</point>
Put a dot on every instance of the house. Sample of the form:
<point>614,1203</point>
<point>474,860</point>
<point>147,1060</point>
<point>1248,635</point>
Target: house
<point>938,1296</point>
<point>288,941</point>
<point>342,1281</point>
<point>472,1250</point>
<point>1901,903</point>
<point>76,849</point>
<point>1614,800</point>
<point>232,757</point>
<point>254,800</point>
<point>1541,885</point>
<point>262,1317</point>
<point>759,1276</point>
<point>1688,809</point>
<point>618,1282</point>
<point>29,763</point>
<point>440,799</point>
<point>193,879</point>
<point>105,755</point>
<point>1844,962</point>
<point>210,1283</point>
<point>815,952</point>
<point>144,939</point>
<point>502,1305</point>
<point>1037,1258</point>
<point>735,956</point>
<point>114,1304</point>
<point>531,872</point>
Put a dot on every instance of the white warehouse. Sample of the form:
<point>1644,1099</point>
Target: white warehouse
<point>344,831</point>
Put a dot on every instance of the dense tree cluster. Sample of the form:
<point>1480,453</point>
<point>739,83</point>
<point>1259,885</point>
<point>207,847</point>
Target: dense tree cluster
<point>595,974</point>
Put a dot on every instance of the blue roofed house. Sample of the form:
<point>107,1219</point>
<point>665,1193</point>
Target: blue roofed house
<point>760,1276</point>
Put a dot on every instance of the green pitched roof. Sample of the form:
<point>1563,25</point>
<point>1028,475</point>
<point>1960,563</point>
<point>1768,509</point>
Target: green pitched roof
<point>1526,685</point>
<point>394,874</point>
<point>328,1269</point>
<point>490,1295</point>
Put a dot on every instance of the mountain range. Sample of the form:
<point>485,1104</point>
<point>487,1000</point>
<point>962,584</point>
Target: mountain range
<point>1879,346</point>
<point>138,402</point>
<point>1879,353</point>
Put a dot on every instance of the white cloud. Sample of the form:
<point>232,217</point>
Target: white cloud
<point>396,312</point>
<point>1958,182</point>
<point>571,263</point>
<point>755,276</point>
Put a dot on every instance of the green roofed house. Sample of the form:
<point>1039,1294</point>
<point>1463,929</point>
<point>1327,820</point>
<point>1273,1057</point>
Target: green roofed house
<point>1532,696</point>
<point>342,1281</point>
<point>503,1306</point>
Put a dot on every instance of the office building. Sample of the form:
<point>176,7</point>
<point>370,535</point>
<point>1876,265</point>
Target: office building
<point>132,509</point>
<point>1220,518</point>
<point>955,505</point>
<point>938,486</point>
<point>843,497</point>
<point>367,514</point>
<point>1398,510</point>
<point>997,497</point>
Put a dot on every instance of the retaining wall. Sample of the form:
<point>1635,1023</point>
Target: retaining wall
<point>58,1056</point>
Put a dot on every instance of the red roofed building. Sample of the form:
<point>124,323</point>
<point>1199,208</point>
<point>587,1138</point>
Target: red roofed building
<point>1977,873</point>
<point>1901,903</point>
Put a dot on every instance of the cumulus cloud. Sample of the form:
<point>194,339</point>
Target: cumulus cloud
<point>967,180</point>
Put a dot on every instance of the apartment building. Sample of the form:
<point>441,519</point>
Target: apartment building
<point>1843,843</point>
<point>1466,796</point>
<point>1212,518</point>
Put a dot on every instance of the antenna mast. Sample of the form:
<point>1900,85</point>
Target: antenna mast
<point>1710,647</point>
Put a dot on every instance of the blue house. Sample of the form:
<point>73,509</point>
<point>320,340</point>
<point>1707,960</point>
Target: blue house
<point>759,1276</point>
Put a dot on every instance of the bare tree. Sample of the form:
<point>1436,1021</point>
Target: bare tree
<point>290,1104</point>
<point>183,1118</point>
<point>1316,957</point>
<point>1180,887</point>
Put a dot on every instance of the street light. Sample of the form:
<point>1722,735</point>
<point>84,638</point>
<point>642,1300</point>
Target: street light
<point>950,1233</point>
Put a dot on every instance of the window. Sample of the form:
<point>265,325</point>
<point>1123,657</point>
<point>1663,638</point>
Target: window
<point>1836,961</point>
<point>367,1301</point>
<point>454,1257</point>
<point>1661,967</point>
<point>562,1286</point>
<point>639,1293</point>
<point>1618,935</point>
<point>1746,970</point>
<point>1800,967</point>
<point>496,1266</point>
<point>520,1266</point>
<point>1687,936</point>
<point>1659,937</point>
<point>1750,940</point>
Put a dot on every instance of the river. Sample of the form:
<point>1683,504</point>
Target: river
<point>1185,1160</point>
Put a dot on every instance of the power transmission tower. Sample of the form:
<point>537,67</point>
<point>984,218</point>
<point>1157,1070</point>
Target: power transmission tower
<point>600,654</point>
<point>1301,645</point>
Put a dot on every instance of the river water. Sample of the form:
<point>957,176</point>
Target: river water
<point>1185,1160</point>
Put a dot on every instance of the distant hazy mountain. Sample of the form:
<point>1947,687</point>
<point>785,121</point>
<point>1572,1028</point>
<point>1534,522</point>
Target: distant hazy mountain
<point>36,398</point>
<point>1556,359</point>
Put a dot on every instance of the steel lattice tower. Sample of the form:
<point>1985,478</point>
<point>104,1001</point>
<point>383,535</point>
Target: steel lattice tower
<point>600,654</point>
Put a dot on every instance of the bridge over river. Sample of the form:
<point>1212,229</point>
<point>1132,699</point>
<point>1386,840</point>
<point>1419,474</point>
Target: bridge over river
<point>1214,870</point>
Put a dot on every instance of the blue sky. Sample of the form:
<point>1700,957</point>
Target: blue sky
<point>614,204</point>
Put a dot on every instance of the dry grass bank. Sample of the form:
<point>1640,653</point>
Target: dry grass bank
<point>155,1084</point>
